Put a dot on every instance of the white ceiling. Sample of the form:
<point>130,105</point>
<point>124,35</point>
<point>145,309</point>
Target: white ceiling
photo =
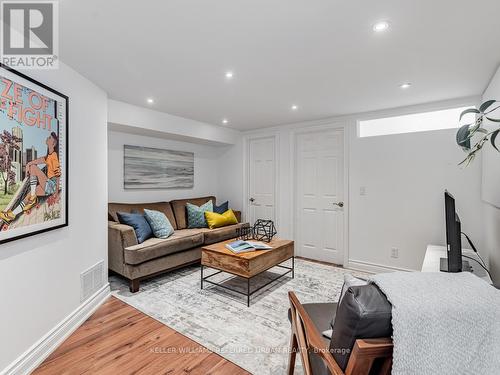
<point>321,55</point>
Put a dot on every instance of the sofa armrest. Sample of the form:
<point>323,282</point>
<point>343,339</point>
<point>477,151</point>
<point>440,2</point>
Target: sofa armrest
<point>125,233</point>
<point>120,236</point>
<point>238,215</point>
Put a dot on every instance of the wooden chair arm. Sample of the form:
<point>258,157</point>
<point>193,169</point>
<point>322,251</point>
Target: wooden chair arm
<point>364,352</point>
<point>380,345</point>
<point>314,338</point>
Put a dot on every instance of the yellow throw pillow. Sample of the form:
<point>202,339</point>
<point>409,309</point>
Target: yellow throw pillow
<point>215,220</point>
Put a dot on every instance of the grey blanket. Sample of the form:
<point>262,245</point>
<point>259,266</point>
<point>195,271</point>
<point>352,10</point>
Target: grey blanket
<point>443,323</point>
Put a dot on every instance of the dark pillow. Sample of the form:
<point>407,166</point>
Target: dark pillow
<point>222,208</point>
<point>141,227</point>
<point>349,280</point>
<point>363,313</point>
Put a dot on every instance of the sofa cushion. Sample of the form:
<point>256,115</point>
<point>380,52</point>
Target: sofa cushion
<point>221,234</point>
<point>222,208</point>
<point>179,209</point>
<point>159,223</point>
<point>196,215</point>
<point>164,207</point>
<point>157,247</point>
<point>163,264</point>
<point>215,220</point>
<point>141,227</point>
<point>363,313</point>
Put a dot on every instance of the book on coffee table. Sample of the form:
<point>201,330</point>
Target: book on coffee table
<point>241,246</point>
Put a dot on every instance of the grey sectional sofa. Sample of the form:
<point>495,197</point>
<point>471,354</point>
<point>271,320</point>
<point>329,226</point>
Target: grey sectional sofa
<point>154,256</point>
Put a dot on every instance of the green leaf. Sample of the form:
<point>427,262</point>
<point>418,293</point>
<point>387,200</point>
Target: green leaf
<point>463,137</point>
<point>492,110</point>
<point>493,138</point>
<point>470,110</point>
<point>486,105</point>
<point>493,119</point>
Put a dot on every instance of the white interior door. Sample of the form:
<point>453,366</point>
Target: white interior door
<point>261,181</point>
<point>319,202</point>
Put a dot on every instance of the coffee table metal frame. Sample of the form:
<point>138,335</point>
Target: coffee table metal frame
<point>248,292</point>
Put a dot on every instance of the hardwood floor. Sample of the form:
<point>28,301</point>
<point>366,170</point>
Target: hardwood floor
<point>119,339</point>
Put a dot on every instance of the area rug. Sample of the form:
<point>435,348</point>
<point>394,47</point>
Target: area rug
<point>257,337</point>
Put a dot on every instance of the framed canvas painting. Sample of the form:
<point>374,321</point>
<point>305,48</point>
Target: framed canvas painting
<point>154,168</point>
<point>33,156</point>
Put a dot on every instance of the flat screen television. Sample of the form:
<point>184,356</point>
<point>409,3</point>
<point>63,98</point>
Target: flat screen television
<point>453,262</point>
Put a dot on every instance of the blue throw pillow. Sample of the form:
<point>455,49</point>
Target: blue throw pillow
<point>196,215</point>
<point>159,223</point>
<point>222,208</point>
<point>138,222</point>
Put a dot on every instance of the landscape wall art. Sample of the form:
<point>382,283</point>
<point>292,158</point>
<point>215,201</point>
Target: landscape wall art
<point>153,168</point>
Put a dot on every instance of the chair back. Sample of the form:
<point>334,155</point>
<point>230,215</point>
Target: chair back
<point>369,356</point>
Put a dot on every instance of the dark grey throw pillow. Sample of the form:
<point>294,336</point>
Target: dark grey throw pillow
<point>222,208</point>
<point>137,221</point>
<point>363,313</point>
<point>349,280</point>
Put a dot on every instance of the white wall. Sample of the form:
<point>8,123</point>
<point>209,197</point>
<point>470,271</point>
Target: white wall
<point>491,191</point>
<point>231,175</point>
<point>40,275</point>
<point>147,121</point>
<point>404,176</point>
<point>206,167</point>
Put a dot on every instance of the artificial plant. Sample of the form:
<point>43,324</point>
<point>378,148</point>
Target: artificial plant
<point>466,132</point>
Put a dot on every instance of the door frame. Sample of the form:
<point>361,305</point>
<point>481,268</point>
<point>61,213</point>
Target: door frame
<point>294,175</point>
<point>246,175</point>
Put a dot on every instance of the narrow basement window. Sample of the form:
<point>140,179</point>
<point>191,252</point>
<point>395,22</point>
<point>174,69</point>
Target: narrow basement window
<point>418,122</point>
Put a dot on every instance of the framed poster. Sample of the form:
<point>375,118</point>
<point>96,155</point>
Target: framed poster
<point>33,156</point>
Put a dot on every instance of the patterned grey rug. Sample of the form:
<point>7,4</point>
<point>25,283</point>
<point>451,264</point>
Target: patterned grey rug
<point>256,337</point>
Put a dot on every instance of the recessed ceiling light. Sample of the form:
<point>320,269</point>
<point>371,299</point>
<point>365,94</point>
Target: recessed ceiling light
<point>225,121</point>
<point>150,100</point>
<point>381,26</point>
<point>405,85</point>
<point>294,107</point>
<point>229,75</point>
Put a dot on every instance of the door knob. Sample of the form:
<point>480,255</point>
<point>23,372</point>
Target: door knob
<point>252,200</point>
<point>340,204</point>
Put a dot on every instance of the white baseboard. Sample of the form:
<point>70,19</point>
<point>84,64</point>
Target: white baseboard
<point>35,355</point>
<point>359,265</point>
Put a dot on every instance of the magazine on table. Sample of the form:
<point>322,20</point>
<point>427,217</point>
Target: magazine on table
<point>241,246</point>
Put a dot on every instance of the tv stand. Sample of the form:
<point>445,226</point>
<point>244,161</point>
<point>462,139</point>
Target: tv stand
<point>443,265</point>
<point>434,253</point>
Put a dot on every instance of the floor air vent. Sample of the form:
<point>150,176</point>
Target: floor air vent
<point>91,280</point>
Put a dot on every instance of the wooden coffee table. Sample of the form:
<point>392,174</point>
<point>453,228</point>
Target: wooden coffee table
<point>246,265</point>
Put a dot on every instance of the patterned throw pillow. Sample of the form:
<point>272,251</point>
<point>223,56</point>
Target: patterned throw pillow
<point>222,208</point>
<point>138,222</point>
<point>159,223</point>
<point>196,215</point>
